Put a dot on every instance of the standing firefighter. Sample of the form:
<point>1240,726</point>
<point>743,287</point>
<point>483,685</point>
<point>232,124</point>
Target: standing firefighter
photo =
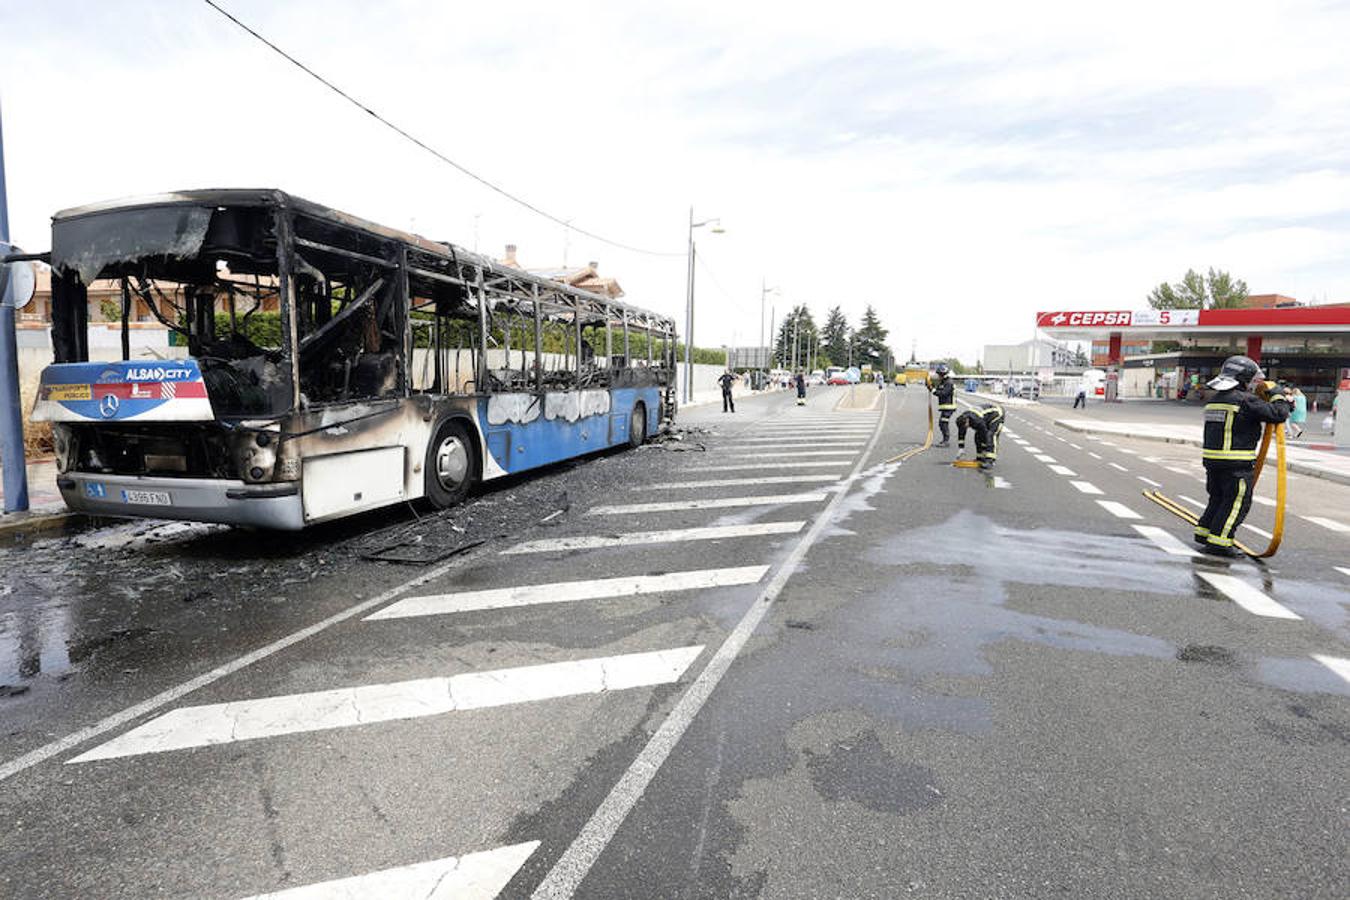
<point>728,379</point>
<point>986,423</point>
<point>1234,420</point>
<point>946,398</point>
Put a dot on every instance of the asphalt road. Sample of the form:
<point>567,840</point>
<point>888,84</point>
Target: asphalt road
<point>756,662</point>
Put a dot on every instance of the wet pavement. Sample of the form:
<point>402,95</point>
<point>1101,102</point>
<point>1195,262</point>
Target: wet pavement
<point>758,661</point>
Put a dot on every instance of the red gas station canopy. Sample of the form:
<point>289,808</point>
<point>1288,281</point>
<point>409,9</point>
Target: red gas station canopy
<point>1194,323</point>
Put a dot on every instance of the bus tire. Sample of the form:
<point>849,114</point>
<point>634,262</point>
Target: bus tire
<point>637,426</point>
<point>451,465</point>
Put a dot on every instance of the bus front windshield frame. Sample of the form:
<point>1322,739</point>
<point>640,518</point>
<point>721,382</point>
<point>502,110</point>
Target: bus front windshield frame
<point>208,274</point>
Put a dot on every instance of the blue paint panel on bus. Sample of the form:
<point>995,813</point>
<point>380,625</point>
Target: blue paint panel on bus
<point>517,446</point>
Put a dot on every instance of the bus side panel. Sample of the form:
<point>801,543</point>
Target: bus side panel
<point>521,435</point>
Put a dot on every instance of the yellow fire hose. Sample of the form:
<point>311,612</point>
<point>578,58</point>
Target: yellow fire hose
<point>927,442</point>
<point>1277,533</point>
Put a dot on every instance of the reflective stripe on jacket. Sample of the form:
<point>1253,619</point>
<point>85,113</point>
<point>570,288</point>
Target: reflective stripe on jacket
<point>1234,420</point>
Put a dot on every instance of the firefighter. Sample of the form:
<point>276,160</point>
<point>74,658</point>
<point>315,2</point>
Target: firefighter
<point>986,423</point>
<point>1234,420</point>
<point>727,381</point>
<point>946,398</point>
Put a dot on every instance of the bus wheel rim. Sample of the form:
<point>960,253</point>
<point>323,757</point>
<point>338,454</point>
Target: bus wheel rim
<point>452,463</point>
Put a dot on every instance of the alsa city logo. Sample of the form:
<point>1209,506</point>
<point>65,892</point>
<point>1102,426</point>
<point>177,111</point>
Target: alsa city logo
<point>1090,318</point>
<point>156,373</point>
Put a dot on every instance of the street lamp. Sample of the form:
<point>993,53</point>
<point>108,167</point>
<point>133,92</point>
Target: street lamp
<point>764,292</point>
<point>689,304</point>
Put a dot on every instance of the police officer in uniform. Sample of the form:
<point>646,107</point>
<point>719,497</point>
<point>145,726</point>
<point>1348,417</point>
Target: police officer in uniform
<point>945,392</point>
<point>986,424</point>
<point>1234,420</point>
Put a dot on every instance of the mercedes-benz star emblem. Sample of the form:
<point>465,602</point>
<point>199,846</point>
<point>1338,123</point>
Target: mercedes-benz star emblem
<point>108,405</point>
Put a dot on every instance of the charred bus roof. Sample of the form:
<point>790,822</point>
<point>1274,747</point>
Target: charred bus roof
<point>183,236</point>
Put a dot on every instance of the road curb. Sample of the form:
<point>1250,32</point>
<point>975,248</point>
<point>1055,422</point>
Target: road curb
<point>1300,468</point>
<point>36,523</point>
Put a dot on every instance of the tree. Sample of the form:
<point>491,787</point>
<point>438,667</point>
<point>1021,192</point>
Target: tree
<point>799,326</point>
<point>869,340</point>
<point>834,338</point>
<point>1215,290</point>
<point>1080,359</point>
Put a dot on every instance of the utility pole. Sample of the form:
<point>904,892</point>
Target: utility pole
<point>11,417</point>
<point>763,292</point>
<point>689,317</point>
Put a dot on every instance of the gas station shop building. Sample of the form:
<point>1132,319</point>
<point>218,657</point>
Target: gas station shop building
<point>1305,346</point>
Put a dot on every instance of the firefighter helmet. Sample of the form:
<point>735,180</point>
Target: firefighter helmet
<point>942,369</point>
<point>1237,371</point>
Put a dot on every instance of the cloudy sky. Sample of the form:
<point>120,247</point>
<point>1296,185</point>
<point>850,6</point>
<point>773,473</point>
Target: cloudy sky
<point>959,166</point>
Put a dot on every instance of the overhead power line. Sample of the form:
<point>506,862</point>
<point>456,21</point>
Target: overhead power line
<point>566,223</point>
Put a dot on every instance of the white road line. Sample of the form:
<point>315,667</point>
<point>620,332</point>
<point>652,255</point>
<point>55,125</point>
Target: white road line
<point>1265,534</point>
<point>1264,501</point>
<point>1086,487</point>
<point>1021,443</point>
<point>795,454</point>
<point>1247,597</point>
<point>1074,446</point>
<point>638,538</point>
<point>1151,459</point>
<point>473,876</point>
<point>1031,449</point>
<point>789,444</point>
<point>1045,458</point>
<point>1118,466</point>
<point>620,509</point>
<point>1000,482</point>
<point>1164,540</point>
<point>737,482</point>
<point>1119,510</point>
<point>1106,443</point>
<point>1192,501</point>
<point>1063,470</point>
<point>567,592</point>
<point>1095,455</point>
<point>567,873</point>
<point>165,697</point>
<point>1336,664</point>
<point>1178,470</point>
<point>1149,481</point>
<point>1128,450</point>
<point>1343,570</point>
<point>806,432</point>
<point>1330,524</point>
<point>243,720</point>
<point>771,463</point>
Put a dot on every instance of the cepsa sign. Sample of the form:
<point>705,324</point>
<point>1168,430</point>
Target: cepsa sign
<point>1117,318</point>
<point>1078,319</point>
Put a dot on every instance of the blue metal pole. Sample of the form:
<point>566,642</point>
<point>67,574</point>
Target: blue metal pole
<point>11,415</point>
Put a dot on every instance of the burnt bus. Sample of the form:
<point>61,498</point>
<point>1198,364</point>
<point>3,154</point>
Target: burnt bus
<point>332,365</point>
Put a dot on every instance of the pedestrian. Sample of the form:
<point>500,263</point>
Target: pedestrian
<point>945,392</point>
<point>986,425</point>
<point>1234,419</point>
<point>801,388</point>
<point>1081,399</point>
<point>726,381</point>
<point>1298,415</point>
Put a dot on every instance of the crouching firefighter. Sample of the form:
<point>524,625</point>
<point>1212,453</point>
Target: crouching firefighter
<point>1234,420</point>
<point>945,392</point>
<point>987,422</point>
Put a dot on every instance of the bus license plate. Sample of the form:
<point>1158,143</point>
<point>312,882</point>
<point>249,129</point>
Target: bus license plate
<point>147,498</point>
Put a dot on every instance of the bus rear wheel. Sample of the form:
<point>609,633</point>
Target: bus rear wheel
<point>451,466</point>
<point>637,426</point>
